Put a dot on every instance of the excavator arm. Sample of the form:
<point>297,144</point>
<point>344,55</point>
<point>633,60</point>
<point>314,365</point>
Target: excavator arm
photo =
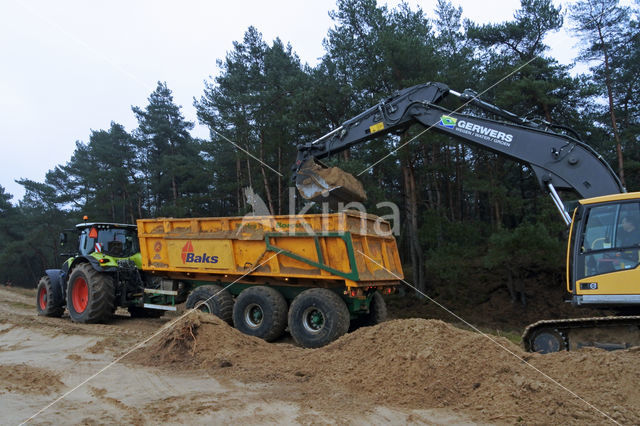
<point>558,160</point>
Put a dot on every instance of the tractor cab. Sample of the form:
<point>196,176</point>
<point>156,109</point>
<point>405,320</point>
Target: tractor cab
<point>110,239</point>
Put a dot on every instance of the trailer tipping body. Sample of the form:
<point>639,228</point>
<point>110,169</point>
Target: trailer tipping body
<point>349,249</point>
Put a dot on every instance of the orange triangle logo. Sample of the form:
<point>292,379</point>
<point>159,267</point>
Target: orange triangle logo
<point>188,248</point>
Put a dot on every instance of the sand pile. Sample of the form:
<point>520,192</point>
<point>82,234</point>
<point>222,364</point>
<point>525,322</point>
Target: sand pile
<point>201,340</point>
<point>414,363</point>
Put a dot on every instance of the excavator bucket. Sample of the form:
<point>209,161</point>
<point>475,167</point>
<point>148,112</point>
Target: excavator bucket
<point>333,185</point>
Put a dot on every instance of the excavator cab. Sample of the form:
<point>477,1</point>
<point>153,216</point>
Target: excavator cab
<point>604,254</point>
<point>321,184</point>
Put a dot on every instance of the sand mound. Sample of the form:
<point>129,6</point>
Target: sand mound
<point>414,363</point>
<point>201,340</point>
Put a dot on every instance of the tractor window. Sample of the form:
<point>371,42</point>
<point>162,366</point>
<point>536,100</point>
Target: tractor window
<point>116,242</point>
<point>609,238</point>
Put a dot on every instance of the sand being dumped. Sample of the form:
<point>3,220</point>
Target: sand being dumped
<point>314,181</point>
<point>413,364</point>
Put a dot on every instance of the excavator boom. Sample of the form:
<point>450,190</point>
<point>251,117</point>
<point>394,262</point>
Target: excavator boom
<point>558,160</point>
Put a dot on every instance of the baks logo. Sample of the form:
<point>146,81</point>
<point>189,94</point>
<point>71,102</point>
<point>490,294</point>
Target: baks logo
<point>448,122</point>
<point>188,255</point>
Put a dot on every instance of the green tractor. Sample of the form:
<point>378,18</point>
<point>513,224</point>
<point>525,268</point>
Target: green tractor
<point>102,274</point>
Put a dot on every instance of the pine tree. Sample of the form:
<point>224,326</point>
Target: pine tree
<point>172,167</point>
<point>256,115</point>
<point>604,26</point>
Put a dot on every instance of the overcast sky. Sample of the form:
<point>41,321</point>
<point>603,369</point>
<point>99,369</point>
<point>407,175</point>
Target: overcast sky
<point>68,67</point>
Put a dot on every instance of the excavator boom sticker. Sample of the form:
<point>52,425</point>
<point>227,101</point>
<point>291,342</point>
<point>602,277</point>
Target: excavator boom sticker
<point>448,121</point>
<point>476,130</point>
<point>376,127</point>
<point>483,132</point>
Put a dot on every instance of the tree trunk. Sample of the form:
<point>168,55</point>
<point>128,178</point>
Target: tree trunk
<point>450,189</point>
<point>607,79</point>
<point>239,196</point>
<point>246,147</point>
<point>174,187</point>
<point>113,206</point>
<point>264,175</point>
<point>411,202</point>
<point>279,180</point>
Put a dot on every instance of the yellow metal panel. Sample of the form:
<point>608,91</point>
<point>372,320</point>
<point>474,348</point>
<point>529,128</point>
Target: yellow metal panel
<point>614,197</point>
<point>335,255</point>
<point>155,253</point>
<point>619,282</point>
<point>567,263</point>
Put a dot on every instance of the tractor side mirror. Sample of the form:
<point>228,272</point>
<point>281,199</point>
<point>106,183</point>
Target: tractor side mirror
<point>63,238</point>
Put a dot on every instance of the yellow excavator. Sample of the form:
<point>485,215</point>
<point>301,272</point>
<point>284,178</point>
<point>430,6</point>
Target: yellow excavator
<point>604,228</point>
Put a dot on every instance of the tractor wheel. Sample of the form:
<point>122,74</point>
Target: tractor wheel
<point>377,313</point>
<point>213,300</point>
<point>317,317</point>
<point>48,300</point>
<point>90,295</point>
<point>140,312</point>
<point>262,312</point>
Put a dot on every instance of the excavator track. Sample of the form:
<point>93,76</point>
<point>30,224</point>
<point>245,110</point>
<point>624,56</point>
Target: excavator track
<point>610,333</point>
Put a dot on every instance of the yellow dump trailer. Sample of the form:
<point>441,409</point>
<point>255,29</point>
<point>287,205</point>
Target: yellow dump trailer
<point>346,249</point>
<point>314,273</point>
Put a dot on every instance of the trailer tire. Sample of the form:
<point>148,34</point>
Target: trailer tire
<point>317,317</point>
<point>90,295</point>
<point>215,300</point>
<point>140,312</point>
<point>260,311</point>
<point>49,301</point>
<point>377,313</point>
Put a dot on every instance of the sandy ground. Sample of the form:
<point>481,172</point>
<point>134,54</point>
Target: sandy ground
<point>43,358</point>
<point>412,371</point>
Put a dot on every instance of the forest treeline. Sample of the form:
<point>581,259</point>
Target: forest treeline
<point>464,210</point>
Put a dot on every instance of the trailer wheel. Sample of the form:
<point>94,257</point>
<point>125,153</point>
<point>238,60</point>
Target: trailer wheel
<point>262,312</point>
<point>548,340</point>
<point>377,313</point>
<point>214,300</point>
<point>48,300</point>
<point>317,317</point>
<point>140,312</point>
<point>90,295</point>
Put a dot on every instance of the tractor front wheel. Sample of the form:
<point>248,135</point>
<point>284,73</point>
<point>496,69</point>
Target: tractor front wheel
<point>48,300</point>
<point>90,295</point>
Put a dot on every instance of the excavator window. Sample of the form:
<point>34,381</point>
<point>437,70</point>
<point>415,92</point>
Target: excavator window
<point>610,239</point>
